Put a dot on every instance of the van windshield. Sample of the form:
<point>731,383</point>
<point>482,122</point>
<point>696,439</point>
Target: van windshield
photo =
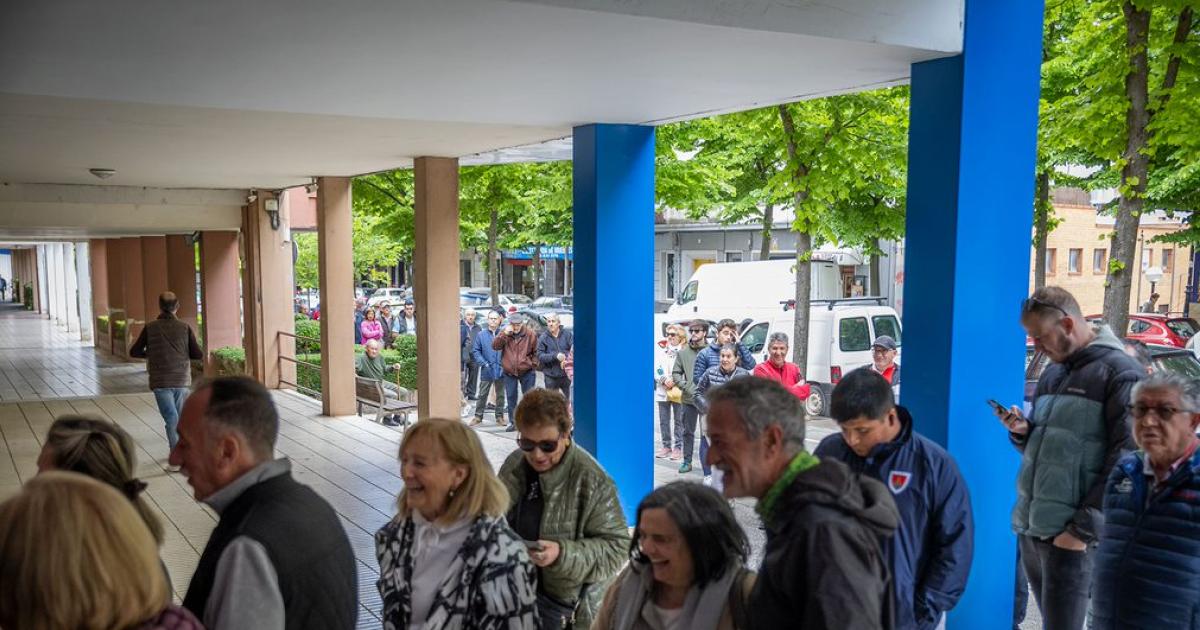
<point>755,338</point>
<point>689,293</point>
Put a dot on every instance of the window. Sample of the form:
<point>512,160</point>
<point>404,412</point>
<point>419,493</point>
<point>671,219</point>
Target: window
<point>755,338</point>
<point>1168,261</point>
<point>1138,326</point>
<point>887,325</point>
<point>1183,327</point>
<point>853,335</point>
<point>464,273</point>
<point>669,273</point>
<point>1147,258</point>
<point>1051,260</point>
<point>1100,261</point>
<point>733,256</point>
<point>1074,261</point>
<point>689,293</point>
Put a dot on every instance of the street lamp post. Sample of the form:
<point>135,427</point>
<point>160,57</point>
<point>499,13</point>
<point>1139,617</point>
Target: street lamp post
<point>1153,275</point>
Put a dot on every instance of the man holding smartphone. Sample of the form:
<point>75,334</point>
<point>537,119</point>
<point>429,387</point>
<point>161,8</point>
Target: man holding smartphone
<point>1077,431</point>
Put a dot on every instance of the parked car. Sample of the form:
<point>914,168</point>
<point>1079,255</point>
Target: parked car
<point>392,295</point>
<point>1152,328</point>
<point>1163,358</point>
<point>840,334</point>
<point>510,302</point>
<point>561,302</point>
<point>537,317</point>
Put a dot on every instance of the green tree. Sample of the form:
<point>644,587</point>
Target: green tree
<point>372,249</point>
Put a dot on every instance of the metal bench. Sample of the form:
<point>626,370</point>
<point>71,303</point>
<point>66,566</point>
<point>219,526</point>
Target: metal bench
<point>371,393</point>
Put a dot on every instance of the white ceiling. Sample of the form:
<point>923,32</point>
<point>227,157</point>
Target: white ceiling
<point>235,94</point>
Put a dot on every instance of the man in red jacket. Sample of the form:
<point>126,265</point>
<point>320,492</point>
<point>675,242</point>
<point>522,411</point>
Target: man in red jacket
<point>778,368</point>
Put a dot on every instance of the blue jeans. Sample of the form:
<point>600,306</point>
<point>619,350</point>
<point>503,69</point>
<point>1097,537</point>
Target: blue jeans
<point>170,403</point>
<point>526,381</point>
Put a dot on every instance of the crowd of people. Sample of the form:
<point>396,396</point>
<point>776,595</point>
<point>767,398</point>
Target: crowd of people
<point>873,529</point>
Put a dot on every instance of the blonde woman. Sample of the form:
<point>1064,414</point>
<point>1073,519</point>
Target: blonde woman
<point>449,559</point>
<point>75,555</point>
<point>103,451</point>
<point>669,405</point>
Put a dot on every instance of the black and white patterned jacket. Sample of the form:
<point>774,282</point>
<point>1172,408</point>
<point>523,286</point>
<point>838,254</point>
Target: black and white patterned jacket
<point>490,585</point>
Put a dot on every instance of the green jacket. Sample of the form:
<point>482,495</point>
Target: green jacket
<point>583,515</point>
<point>685,364</point>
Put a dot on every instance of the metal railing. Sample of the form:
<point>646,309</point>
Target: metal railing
<point>308,390</point>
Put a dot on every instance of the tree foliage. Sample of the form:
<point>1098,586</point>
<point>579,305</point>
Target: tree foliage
<point>373,249</point>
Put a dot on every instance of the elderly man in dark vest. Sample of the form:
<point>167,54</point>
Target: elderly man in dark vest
<point>168,345</point>
<point>279,557</point>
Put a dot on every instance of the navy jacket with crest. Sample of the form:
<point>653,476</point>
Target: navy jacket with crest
<point>930,553</point>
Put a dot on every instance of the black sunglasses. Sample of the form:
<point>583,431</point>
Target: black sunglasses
<point>547,446</point>
<point>1031,304</point>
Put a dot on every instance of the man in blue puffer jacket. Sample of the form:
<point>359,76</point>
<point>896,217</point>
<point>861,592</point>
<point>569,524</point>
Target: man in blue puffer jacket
<point>930,553</point>
<point>1147,567</point>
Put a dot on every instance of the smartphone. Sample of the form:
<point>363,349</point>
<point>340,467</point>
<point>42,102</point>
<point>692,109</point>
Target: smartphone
<point>534,545</point>
<point>1000,409</point>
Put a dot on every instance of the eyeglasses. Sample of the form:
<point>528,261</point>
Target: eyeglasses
<point>547,446</point>
<point>1163,412</point>
<point>1031,304</point>
<point>696,330</point>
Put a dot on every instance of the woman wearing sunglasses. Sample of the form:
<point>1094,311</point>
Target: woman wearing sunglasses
<point>687,565</point>
<point>565,507</point>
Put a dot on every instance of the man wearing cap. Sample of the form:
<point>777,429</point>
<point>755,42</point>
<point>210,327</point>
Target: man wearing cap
<point>883,361</point>
<point>518,359</point>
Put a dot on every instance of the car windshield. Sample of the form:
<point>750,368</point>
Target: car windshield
<point>1183,327</point>
<point>1181,363</point>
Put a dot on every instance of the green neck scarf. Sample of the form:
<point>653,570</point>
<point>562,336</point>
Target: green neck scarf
<point>800,463</point>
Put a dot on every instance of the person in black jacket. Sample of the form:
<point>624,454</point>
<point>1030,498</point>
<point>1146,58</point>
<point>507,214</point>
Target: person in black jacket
<point>823,566</point>
<point>930,555</point>
<point>469,329</point>
<point>552,349</point>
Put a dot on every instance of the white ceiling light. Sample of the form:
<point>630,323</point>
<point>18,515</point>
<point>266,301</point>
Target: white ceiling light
<point>102,173</point>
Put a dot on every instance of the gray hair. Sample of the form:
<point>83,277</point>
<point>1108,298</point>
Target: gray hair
<point>242,404</point>
<point>373,343</point>
<point>761,403</point>
<point>1189,389</point>
<point>777,337</point>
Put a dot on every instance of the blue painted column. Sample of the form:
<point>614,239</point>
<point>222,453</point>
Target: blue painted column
<point>972,147</point>
<point>614,297</point>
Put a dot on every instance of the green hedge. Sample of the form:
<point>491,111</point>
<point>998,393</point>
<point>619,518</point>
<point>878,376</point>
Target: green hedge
<point>308,328</point>
<point>230,360</point>
<point>118,327</point>
<point>102,324</point>
<point>28,298</point>
<point>405,353</point>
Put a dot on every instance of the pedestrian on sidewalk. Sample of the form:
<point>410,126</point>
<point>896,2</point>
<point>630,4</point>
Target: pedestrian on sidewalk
<point>883,361</point>
<point>372,330</point>
<point>930,554</point>
<point>682,376</point>
<point>406,321</point>
<point>668,399</point>
<point>554,344</point>
<point>386,322</point>
<point>726,370</point>
<point>823,566</point>
<point>3,288</point>
<point>711,355</point>
<point>279,556</point>
<point>780,370</point>
<point>169,346</point>
<point>491,373</point>
<point>518,357</point>
<point>470,368</point>
<point>1078,431</point>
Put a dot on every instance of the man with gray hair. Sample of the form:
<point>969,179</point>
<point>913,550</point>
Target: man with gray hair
<point>1147,572</point>
<point>777,368</point>
<point>278,557</point>
<point>370,364</point>
<point>823,566</point>
<point>169,346</point>
<point>1077,431</point>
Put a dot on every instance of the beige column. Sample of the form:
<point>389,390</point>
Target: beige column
<point>267,291</point>
<point>154,277</point>
<point>133,281</point>
<point>181,276</point>
<point>219,297</point>
<point>98,259</point>
<point>336,272</point>
<point>435,287</point>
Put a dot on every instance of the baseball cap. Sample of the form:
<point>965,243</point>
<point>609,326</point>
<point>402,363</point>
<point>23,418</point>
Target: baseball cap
<point>516,318</point>
<point>885,342</point>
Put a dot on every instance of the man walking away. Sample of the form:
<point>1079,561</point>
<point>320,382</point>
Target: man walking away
<point>553,347</point>
<point>491,373</point>
<point>930,555</point>
<point>822,567</point>
<point>169,346</point>
<point>683,376</point>
<point>1077,432</point>
<point>518,357</point>
<point>470,368</point>
<point>278,557</point>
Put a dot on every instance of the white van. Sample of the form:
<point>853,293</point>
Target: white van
<point>840,333</point>
<point>755,289</point>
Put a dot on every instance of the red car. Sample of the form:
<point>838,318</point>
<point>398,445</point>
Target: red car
<point>1162,330</point>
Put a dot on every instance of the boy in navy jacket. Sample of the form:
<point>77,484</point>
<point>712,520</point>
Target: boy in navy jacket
<point>930,553</point>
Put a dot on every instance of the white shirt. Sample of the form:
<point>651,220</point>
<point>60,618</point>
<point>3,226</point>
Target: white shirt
<point>671,618</point>
<point>411,324</point>
<point>435,547</point>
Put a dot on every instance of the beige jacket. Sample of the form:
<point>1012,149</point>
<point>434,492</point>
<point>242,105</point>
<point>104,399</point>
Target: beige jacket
<point>606,616</point>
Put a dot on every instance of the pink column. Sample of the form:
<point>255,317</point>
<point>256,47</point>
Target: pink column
<point>267,287</point>
<point>98,263</point>
<point>181,275</point>
<point>133,280</point>
<point>219,296</point>
<point>336,271</point>
<point>154,276</point>
<point>435,287</point>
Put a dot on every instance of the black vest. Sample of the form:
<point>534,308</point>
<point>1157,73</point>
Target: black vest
<point>306,544</point>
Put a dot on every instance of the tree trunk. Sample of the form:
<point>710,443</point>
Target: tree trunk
<point>1041,217</point>
<point>493,257</point>
<point>876,280</point>
<point>767,224</point>
<point>1133,174</point>
<point>537,271</point>
<point>803,247</point>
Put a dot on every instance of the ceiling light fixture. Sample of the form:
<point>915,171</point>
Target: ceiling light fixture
<point>102,173</point>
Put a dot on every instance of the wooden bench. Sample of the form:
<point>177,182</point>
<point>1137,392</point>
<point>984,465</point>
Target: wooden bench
<point>371,393</point>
